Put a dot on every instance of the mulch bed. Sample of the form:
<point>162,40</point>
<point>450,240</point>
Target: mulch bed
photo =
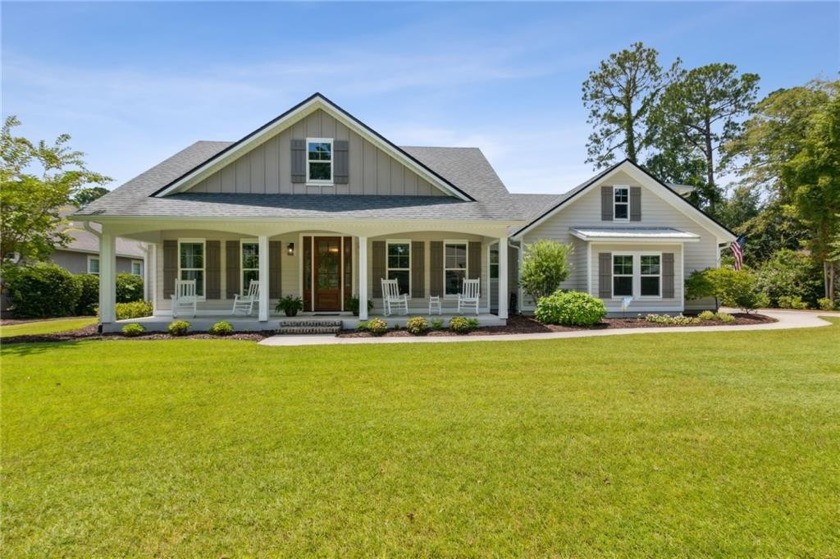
<point>516,324</point>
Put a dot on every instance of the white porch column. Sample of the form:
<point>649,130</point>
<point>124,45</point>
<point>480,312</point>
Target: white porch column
<point>263,261</point>
<point>107,278</point>
<point>504,296</point>
<point>363,279</point>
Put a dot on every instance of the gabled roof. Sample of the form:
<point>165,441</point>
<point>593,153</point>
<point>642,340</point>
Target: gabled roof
<point>667,193</point>
<point>313,103</point>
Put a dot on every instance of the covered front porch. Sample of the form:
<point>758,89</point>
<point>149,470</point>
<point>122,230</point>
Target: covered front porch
<point>330,265</point>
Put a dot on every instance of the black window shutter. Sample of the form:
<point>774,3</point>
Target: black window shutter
<point>605,275</point>
<point>418,271</point>
<point>341,156</point>
<point>635,203</point>
<point>606,203</point>
<point>668,275</point>
<point>298,161</point>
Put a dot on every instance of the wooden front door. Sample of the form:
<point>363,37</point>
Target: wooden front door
<point>327,274</point>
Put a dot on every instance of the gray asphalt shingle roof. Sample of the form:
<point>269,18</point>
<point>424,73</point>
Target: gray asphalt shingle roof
<point>466,168</point>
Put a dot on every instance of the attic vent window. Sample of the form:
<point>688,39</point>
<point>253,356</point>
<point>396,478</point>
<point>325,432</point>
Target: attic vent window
<point>319,160</point>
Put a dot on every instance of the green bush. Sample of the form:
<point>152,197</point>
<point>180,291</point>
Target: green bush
<point>792,302</point>
<point>570,308</point>
<point>462,324</point>
<point>129,288</point>
<point>137,309</point>
<point>707,315</point>
<point>788,274</point>
<point>178,327</point>
<point>42,291</point>
<point>417,325</point>
<point>437,324</point>
<point>733,288</point>
<point>221,328</point>
<point>375,326</point>
<point>724,317</point>
<point>545,264</point>
<point>826,304</point>
<point>89,295</point>
<point>132,330</point>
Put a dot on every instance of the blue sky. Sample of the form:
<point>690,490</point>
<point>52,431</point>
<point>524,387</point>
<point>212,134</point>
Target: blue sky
<point>135,82</point>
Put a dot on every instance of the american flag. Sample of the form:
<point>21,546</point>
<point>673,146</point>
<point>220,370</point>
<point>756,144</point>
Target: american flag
<point>737,247</point>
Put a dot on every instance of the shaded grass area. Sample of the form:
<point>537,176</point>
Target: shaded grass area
<point>46,326</point>
<point>674,445</point>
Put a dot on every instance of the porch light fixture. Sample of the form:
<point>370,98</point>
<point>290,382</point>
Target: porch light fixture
<point>290,249</point>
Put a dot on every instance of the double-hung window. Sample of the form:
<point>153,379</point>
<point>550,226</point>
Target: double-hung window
<point>454,266</point>
<point>622,275</point>
<point>319,160</point>
<point>93,265</point>
<point>650,272</point>
<point>621,203</point>
<point>137,267</point>
<point>399,264</point>
<point>191,263</point>
<point>250,263</point>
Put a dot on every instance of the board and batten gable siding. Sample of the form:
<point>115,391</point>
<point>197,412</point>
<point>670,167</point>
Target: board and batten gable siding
<point>585,211</point>
<point>267,169</point>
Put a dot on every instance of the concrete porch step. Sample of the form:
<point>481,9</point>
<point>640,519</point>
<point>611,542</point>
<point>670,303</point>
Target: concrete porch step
<point>302,327</point>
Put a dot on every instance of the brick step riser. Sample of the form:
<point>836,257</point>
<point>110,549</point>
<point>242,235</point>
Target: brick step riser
<point>298,331</point>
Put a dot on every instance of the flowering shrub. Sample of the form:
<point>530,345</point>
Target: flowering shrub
<point>462,324</point>
<point>417,325</point>
<point>375,326</point>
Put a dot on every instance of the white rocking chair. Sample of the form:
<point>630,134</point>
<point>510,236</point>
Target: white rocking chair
<point>184,296</point>
<point>245,303</point>
<point>469,295</point>
<point>391,298</point>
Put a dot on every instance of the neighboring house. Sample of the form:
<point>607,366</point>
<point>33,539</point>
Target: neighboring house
<point>81,255</point>
<point>317,204</point>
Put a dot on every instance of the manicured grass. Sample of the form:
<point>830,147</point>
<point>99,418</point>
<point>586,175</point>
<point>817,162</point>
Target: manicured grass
<point>673,445</point>
<point>51,326</point>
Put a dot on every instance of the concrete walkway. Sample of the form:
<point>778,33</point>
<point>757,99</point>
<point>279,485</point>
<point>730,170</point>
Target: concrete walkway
<point>787,319</point>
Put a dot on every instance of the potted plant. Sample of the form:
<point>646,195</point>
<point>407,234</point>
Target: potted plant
<point>352,304</point>
<point>290,304</point>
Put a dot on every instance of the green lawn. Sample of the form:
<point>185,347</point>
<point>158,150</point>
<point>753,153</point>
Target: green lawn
<point>673,445</point>
<point>51,326</point>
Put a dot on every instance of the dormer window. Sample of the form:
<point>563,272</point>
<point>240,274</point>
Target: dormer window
<point>621,203</point>
<point>319,160</point>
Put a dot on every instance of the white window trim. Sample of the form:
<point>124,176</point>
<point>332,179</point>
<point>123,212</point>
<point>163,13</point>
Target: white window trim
<point>140,263</point>
<point>388,268</point>
<point>616,188</point>
<point>466,267</point>
<point>637,274</point>
<point>242,269</point>
<point>632,276</point>
<point>321,182</point>
<point>187,240</point>
<point>90,259</point>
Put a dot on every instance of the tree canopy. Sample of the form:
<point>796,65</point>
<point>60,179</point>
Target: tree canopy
<point>37,180</point>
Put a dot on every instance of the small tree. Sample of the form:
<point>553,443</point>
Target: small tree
<point>544,267</point>
<point>733,288</point>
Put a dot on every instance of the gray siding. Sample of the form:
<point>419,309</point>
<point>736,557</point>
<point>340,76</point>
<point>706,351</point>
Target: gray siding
<point>76,262</point>
<point>267,168</point>
<point>585,211</point>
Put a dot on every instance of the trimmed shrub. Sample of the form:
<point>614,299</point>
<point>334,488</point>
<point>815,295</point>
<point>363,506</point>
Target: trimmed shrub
<point>462,324</point>
<point>132,330</point>
<point>129,288</point>
<point>792,302</point>
<point>437,324</point>
<point>570,308</point>
<point>678,320</point>
<point>89,295</point>
<point>178,327</point>
<point>221,328</point>
<point>42,291</point>
<point>417,325</point>
<point>825,304</point>
<point>137,309</point>
<point>376,326</point>
<point>724,317</point>
<point>707,315</point>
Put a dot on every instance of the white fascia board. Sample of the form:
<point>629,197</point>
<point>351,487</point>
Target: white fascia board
<point>204,171</point>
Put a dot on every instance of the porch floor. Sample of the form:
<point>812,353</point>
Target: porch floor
<point>202,322</point>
